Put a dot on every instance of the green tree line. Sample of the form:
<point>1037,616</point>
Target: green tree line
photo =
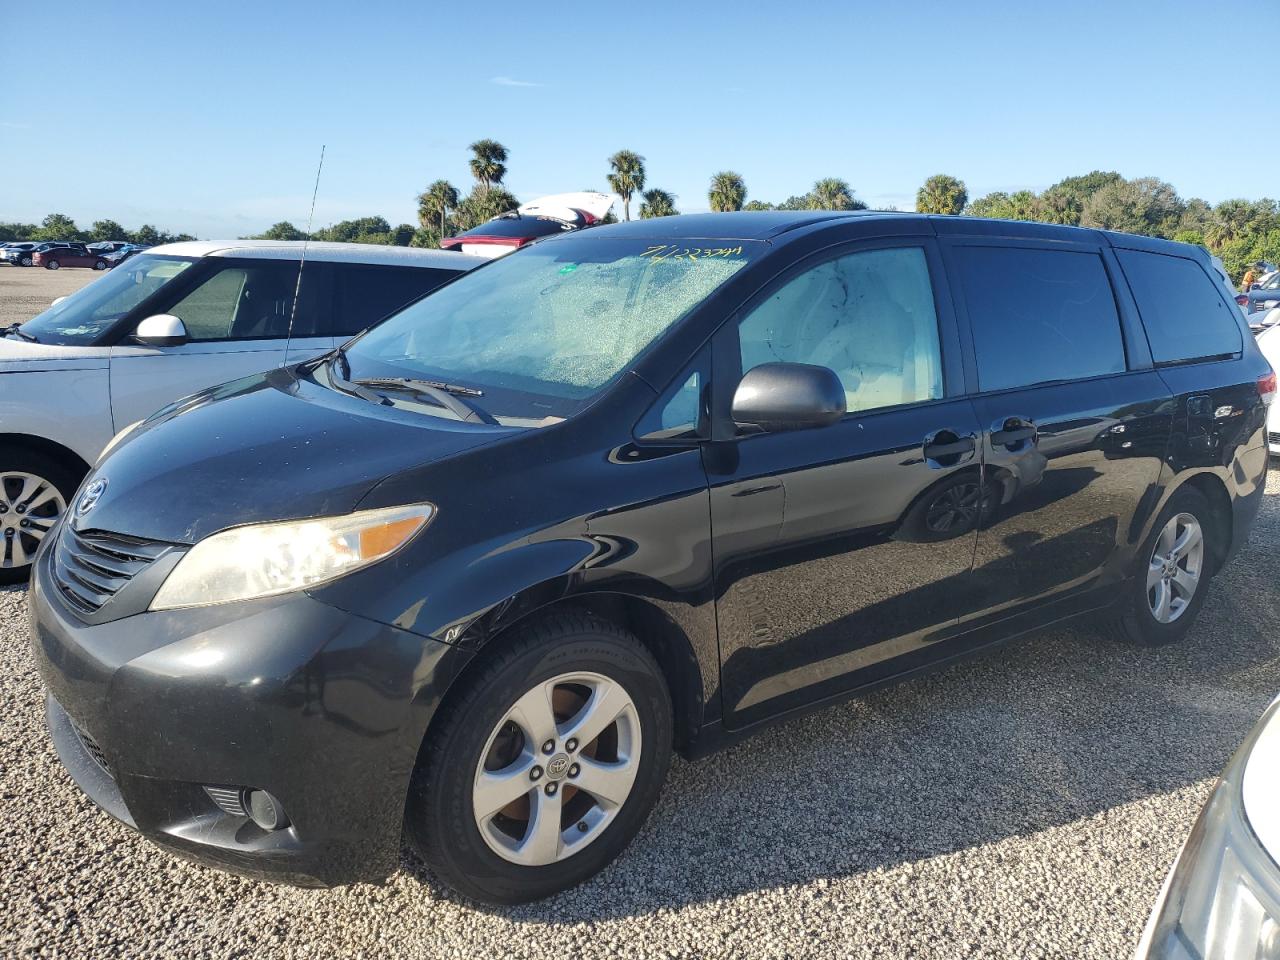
<point>58,226</point>
<point>1239,231</point>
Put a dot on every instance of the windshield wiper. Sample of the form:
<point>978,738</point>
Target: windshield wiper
<point>17,331</point>
<point>342,383</point>
<point>448,395</point>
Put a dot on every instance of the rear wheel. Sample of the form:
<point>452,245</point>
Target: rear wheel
<point>34,493</point>
<point>546,764</point>
<point>1171,578</point>
<point>100,265</point>
<point>25,260</point>
<point>53,265</point>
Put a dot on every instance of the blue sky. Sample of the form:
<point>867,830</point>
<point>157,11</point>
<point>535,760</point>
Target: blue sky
<point>209,118</point>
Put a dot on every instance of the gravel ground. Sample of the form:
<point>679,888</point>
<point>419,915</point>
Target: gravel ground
<point>1026,803</point>
<point>25,291</point>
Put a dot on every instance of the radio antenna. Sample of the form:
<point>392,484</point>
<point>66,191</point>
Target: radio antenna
<point>297,289</point>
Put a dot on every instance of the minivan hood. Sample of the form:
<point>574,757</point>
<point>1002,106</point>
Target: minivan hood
<point>268,447</point>
<point>17,354</point>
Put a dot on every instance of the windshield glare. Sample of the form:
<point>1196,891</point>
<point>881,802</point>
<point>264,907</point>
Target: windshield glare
<point>87,313</point>
<point>543,330</point>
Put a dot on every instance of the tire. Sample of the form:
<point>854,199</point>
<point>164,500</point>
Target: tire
<point>100,265</point>
<point>476,854</point>
<point>53,265</point>
<point>1137,620</point>
<point>24,261</point>
<point>18,468</point>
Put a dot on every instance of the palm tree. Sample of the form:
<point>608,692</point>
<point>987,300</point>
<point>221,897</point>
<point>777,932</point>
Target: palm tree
<point>728,191</point>
<point>627,177</point>
<point>832,193</point>
<point>436,201</point>
<point>658,203</point>
<point>942,194</point>
<point>489,165</point>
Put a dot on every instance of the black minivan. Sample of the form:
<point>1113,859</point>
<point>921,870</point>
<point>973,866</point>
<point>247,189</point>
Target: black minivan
<point>643,488</point>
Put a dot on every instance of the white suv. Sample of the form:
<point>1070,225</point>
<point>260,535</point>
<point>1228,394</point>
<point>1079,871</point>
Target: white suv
<point>167,323</point>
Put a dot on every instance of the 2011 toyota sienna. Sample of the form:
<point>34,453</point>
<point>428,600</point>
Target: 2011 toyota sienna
<point>477,573</point>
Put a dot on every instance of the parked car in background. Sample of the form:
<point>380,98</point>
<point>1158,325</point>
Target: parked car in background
<point>1263,295</point>
<point>56,256</point>
<point>1221,900</point>
<point>544,217</point>
<point>123,253</point>
<point>108,246</point>
<point>17,253</point>
<point>641,488</point>
<point>169,322</point>
<point>1269,344</point>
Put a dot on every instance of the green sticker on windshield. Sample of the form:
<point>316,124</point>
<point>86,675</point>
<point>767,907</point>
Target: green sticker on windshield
<point>569,268</point>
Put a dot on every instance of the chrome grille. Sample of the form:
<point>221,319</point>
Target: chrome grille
<point>92,566</point>
<point>91,747</point>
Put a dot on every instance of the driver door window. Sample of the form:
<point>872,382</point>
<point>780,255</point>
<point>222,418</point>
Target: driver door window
<point>249,302</point>
<point>869,316</point>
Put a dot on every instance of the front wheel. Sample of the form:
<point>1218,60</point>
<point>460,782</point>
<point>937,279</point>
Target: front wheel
<point>34,493</point>
<point>546,764</point>
<point>1171,575</point>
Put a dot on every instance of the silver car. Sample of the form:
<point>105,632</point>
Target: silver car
<point>167,323</point>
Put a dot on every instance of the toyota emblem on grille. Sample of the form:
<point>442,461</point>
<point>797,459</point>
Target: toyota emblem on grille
<point>92,494</point>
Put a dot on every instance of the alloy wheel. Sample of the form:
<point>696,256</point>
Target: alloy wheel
<point>556,769</point>
<point>956,509</point>
<point>1175,568</point>
<point>29,507</point>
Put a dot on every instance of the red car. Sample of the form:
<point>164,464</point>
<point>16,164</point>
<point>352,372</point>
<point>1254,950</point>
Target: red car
<point>56,256</point>
<point>531,221</point>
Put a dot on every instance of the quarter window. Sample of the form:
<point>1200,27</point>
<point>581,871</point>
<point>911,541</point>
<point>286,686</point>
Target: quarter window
<point>1039,315</point>
<point>367,294</point>
<point>1185,316</point>
<point>868,316</point>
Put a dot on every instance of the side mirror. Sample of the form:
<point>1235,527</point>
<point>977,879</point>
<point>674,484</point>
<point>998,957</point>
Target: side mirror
<point>788,396</point>
<point>1255,286</point>
<point>161,330</point>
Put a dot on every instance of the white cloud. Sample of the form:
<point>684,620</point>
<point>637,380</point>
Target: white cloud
<point>512,82</point>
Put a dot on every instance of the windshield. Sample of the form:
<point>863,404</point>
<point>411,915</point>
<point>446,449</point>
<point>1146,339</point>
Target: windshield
<point>541,331</point>
<point>1272,283</point>
<point>83,316</point>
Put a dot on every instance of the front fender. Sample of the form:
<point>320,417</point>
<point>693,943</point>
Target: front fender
<point>70,407</point>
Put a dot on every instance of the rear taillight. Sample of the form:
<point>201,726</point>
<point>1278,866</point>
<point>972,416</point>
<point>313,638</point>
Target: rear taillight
<point>1267,387</point>
<point>1242,299</point>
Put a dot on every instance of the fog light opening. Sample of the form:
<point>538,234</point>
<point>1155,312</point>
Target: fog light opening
<point>265,810</point>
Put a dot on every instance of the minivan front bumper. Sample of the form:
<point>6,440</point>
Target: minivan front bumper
<point>324,709</point>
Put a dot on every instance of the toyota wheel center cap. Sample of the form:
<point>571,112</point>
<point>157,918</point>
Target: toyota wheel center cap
<point>558,766</point>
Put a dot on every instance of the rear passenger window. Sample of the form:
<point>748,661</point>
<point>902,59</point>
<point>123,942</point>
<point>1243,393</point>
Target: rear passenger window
<point>1181,307</point>
<point>1039,315</point>
<point>366,294</point>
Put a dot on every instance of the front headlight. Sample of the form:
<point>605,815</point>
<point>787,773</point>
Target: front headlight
<point>1223,897</point>
<point>271,558</point>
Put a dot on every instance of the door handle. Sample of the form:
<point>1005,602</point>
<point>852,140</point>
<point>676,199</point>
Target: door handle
<point>1012,430</point>
<point>935,449</point>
